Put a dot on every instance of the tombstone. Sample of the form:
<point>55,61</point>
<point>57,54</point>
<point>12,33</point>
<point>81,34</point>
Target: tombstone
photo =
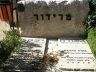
<point>52,18</point>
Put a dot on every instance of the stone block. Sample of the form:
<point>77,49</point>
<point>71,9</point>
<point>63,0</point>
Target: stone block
<point>52,18</point>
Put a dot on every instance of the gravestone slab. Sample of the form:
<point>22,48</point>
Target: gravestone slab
<point>31,49</point>
<point>33,44</point>
<point>77,54</point>
<point>52,18</point>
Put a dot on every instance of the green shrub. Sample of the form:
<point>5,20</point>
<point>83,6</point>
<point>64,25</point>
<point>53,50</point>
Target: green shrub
<point>92,40</point>
<point>10,43</point>
<point>90,23</point>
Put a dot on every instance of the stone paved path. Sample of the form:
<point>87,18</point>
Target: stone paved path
<point>77,55</point>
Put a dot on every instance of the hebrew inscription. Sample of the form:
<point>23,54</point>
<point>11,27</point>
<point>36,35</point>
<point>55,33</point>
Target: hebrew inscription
<point>68,16</point>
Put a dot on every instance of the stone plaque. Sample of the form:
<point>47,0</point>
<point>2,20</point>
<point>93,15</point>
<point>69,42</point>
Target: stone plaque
<point>77,54</point>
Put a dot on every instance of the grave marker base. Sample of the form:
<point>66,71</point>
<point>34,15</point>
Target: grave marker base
<point>77,55</point>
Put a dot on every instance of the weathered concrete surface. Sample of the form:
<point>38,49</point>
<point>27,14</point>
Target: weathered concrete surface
<point>3,26</point>
<point>55,27</point>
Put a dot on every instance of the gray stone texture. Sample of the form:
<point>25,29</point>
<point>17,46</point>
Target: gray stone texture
<point>30,26</point>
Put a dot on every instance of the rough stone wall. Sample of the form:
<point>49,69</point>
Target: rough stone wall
<point>55,27</point>
<point>3,26</point>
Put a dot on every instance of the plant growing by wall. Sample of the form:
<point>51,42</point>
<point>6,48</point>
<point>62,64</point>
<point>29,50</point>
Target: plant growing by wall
<point>91,19</point>
<point>91,26</point>
<point>92,40</point>
<point>10,43</point>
